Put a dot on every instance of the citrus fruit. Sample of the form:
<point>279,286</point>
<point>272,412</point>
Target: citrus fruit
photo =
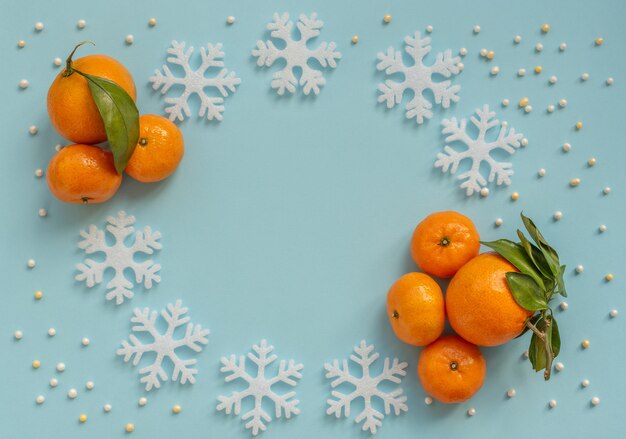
<point>416,309</point>
<point>451,370</point>
<point>83,174</point>
<point>479,303</point>
<point>71,108</point>
<point>159,150</point>
<point>443,242</point>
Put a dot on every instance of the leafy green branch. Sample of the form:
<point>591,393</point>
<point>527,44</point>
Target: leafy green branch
<point>539,279</point>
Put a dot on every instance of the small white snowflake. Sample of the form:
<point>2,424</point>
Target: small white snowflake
<point>418,78</point>
<point>119,256</point>
<point>164,345</point>
<point>260,387</point>
<point>296,53</point>
<point>195,81</point>
<point>366,387</point>
<point>478,150</point>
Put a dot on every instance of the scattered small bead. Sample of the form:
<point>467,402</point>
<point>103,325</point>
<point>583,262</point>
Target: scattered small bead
<point>476,29</point>
<point>614,313</point>
<point>511,392</point>
<point>52,332</point>
<point>490,55</point>
<point>552,403</point>
<point>609,81</point>
<point>40,399</point>
<point>595,401</point>
<point>553,79</point>
<point>562,47</point>
<point>515,196</point>
<point>57,62</point>
<point>545,28</point>
<point>528,108</point>
<point>495,70</point>
<point>85,341</point>
<point>387,18</point>
<point>31,263</point>
<point>129,39</point>
<point>89,385</point>
<point>608,277</point>
<point>538,69</point>
<point>177,409</point>
<point>585,344</point>
<point>579,268</point>
<point>606,190</point>
<point>505,124</point>
<point>58,147</point>
<point>72,394</point>
<point>484,192</point>
<point>557,215</point>
<point>591,162</point>
<point>18,334</point>
<point>33,130</point>
<point>429,28</point>
<point>567,147</point>
<point>471,412</point>
<point>38,294</point>
<point>550,108</point>
<point>355,39</point>
<point>230,19</point>
<point>602,228</point>
<point>524,141</point>
<point>23,84</point>
<point>129,428</point>
<point>541,172</point>
<point>82,418</point>
<point>563,103</point>
<point>428,400</point>
<point>499,222</point>
<point>39,26</point>
<point>584,76</point>
<point>142,401</point>
<point>483,52</point>
<point>43,212</point>
<point>38,172</point>
<point>564,306</point>
<point>599,41</point>
<point>462,51</point>
<point>107,408</point>
<point>152,22</point>
<point>461,66</point>
<point>521,72</point>
<point>54,382</point>
<point>60,367</point>
<point>523,102</point>
<point>525,354</point>
<point>81,24</point>
<point>538,47</point>
<point>36,364</point>
<point>574,182</point>
<point>584,383</point>
<point>21,44</point>
<point>517,39</point>
<point>505,102</point>
<point>579,125</point>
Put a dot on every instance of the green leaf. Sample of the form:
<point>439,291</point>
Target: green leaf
<point>552,258</point>
<point>560,282</point>
<point>555,338</point>
<point>516,255</point>
<point>537,353</point>
<point>537,257</point>
<point>120,116</point>
<point>527,293</point>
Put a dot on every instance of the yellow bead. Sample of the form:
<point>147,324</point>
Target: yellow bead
<point>82,418</point>
<point>491,54</point>
<point>538,69</point>
<point>355,39</point>
<point>523,102</point>
<point>579,125</point>
<point>129,428</point>
<point>38,294</point>
<point>599,41</point>
<point>387,18</point>
<point>514,196</point>
<point>609,277</point>
<point>176,409</point>
<point>585,344</point>
<point>545,28</point>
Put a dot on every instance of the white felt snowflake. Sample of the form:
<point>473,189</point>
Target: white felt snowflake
<point>296,53</point>
<point>164,345</point>
<point>195,81</point>
<point>418,78</point>
<point>478,150</point>
<point>260,386</point>
<point>366,387</point>
<point>119,256</point>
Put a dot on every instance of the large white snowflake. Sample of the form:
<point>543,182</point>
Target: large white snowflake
<point>478,150</point>
<point>195,81</point>
<point>296,54</point>
<point>260,386</point>
<point>164,345</point>
<point>366,387</point>
<point>119,256</point>
<point>418,78</point>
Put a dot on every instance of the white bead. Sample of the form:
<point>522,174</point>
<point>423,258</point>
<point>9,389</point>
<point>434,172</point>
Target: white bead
<point>552,403</point>
<point>574,182</point>
<point>230,19</point>
<point>85,341</point>
<point>614,313</point>
<point>538,47</point>
<point>72,393</point>
<point>476,29</point>
<point>521,72</point>
<point>591,162</point>
<point>142,401</point>
<point>579,269</point>
<point>43,212</point>
<point>563,306</point>
<point>602,228</point>
<point>552,79</point>
<point>495,70</point>
<point>461,66</point>
<point>567,147</point>
<point>107,408</point>
<point>51,333</point>
<point>528,108</point>
<point>517,39</point>
<point>505,102</point>
<point>57,61</point>
<point>18,334</point>
<point>428,400</point>
<point>499,222</point>
<point>471,412</point>
<point>595,400</point>
<point>89,385</point>
<point>483,52</point>
<point>81,24</point>
<point>559,366</point>
<point>129,39</point>
<point>525,354</point>
<point>54,382</point>
<point>39,26</point>
<point>60,367</point>
<point>462,51</point>
<point>563,103</point>
<point>33,130</point>
<point>429,28</point>
<point>58,147</point>
<point>606,190</point>
<point>584,76</point>
<point>511,392</point>
<point>40,399</point>
<point>541,172</point>
<point>557,215</point>
<point>38,172</point>
<point>23,83</point>
<point>31,263</point>
<point>21,44</point>
<point>562,47</point>
<point>484,192</point>
<point>584,383</point>
<point>550,108</point>
<point>152,22</point>
<point>609,81</point>
<point>524,141</point>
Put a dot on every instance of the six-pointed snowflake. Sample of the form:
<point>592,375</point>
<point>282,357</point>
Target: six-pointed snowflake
<point>478,150</point>
<point>195,81</point>
<point>260,387</point>
<point>296,53</point>
<point>119,257</point>
<point>164,345</point>
<point>366,387</point>
<point>418,78</point>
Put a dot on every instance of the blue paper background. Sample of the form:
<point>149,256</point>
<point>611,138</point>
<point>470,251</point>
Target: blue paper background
<point>291,218</point>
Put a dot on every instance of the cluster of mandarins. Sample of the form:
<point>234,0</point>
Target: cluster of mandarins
<point>478,303</point>
<point>84,172</point>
